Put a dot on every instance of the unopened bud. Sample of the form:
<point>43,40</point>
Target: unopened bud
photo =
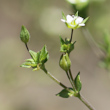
<point>24,35</point>
<point>65,62</point>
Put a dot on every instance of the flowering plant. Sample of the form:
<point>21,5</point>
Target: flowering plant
<point>38,59</point>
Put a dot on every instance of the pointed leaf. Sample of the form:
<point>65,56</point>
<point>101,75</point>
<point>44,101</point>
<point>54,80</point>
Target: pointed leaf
<point>61,40</point>
<point>44,55</point>
<point>65,94</point>
<point>25,66</point>
<point>29,60</point>
<point>29,64</point>
<point>33,55</point>
<point>76,14</point>
<point>78,82</point>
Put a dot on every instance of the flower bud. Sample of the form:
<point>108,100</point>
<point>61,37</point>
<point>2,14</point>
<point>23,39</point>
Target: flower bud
<point>24,35</point>
<point>65,62</point>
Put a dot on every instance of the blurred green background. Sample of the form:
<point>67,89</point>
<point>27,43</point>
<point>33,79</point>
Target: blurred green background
<point>23,89</point>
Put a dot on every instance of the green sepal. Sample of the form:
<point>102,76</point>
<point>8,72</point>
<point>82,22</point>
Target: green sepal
<point>78,84</point>
<point>76,14</point>
<point>84,21</point>
<point>66,46</point>
<point>65,93</point>
<point>63,16</point>
<point>44,55</point>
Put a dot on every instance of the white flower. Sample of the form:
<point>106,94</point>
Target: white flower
<point>76,1</point>
<point>73,21</point>
<point>72,1</point>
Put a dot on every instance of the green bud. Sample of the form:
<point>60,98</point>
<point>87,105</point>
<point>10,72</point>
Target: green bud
<point>65,62</point>
<point>24,35</point>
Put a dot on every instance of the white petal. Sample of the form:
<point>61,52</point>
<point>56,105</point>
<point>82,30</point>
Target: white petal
<point>72,1</point>
<point>81,24</point>
<point>83,0</point>
<point>75,17</point>
<point>63,20</point>
<point>79,20</point>
<point>69,18</point>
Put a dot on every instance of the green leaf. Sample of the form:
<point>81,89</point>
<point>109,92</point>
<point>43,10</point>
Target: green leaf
<point>78,82</point>
<point>65,93</point>
<point>29,60</point>
<point>33,55</point>
<point>44,55</point>
<point>25,66</point>
<point>61,40</point>
<point>63,15</point>
<point>29,64</point>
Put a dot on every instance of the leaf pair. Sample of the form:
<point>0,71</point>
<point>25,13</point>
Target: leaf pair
<point>38,59</point>
<point>66,94</point>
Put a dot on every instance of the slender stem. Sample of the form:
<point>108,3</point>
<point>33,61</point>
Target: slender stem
<point>86,102</point>
<point>80,96</point>
<point>70,80</point>
<point>71,35</point>
<point>27,47</point>
<point>71,76</point>
<point>56,80</point>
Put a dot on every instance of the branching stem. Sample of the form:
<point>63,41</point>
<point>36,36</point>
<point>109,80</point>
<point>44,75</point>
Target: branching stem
<point>56,80</point>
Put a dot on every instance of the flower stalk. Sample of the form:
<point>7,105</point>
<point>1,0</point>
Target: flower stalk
<point>71,35</point>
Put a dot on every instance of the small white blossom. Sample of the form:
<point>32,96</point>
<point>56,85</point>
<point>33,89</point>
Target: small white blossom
<point>73,21</point>
<point>77,1</point>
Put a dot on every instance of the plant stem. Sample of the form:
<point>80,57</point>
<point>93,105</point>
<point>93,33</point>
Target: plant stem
<point>71,35</point>
<point>71,76</point>
<point>27,47</point>
<point>80,96</point>
<point>56,80</point>
<point>68,75</point>
<point>86,102</point>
